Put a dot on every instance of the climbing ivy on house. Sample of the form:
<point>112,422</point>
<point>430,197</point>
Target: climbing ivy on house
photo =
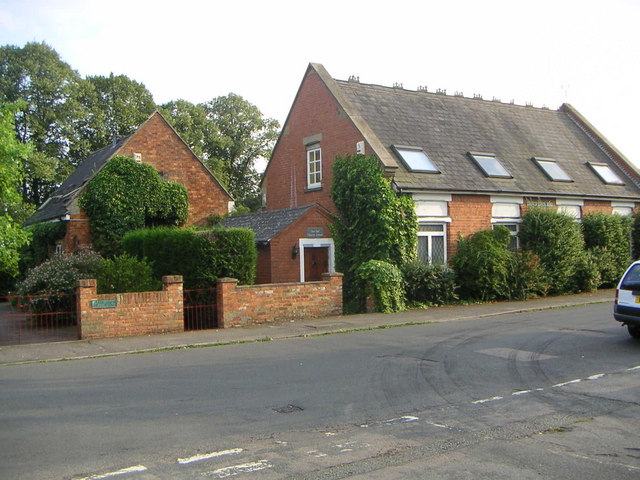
<point>373,222</point>
<point>126,195</point>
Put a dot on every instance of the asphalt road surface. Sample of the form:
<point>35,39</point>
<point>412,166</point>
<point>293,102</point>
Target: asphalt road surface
<point>552,394</point>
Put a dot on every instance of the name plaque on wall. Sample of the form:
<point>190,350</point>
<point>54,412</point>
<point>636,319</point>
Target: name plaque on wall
<point>540,204</point>
<point>104,303</point>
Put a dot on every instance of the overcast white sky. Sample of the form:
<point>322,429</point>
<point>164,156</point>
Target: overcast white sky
<point>546,52</point>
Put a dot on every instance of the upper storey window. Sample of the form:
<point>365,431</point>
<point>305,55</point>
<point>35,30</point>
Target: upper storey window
<point>490,165</point>
<point>552,170</point>
<point>314,166</point>
<point>415,159</point>
<point>606,174</point>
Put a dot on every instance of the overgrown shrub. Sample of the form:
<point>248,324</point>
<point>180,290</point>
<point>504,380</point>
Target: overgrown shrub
<point>557,239</point>
<point>608,237</point>
<point>201,257</point>
<point>383,281</point>
<point>374,223</point>
<point>588,270</point>
<point>126,195</point>
<point>527,278</point>
<point>483,265</point>
<point>60,274</point>
<point>429,284</point>
<point>125,273</point>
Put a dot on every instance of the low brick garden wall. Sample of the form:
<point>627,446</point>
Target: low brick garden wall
<point>257,304</point>
<point>125,314</point>
<point>145,313</point>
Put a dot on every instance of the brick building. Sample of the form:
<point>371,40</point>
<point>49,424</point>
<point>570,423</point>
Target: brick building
<point>468,163</point>
<point>155,142</point>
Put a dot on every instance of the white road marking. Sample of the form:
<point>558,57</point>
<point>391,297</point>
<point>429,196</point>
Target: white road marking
<point>316,453</point>
<point>208,456</point>
<point>487,400</point>
<point>564,384</point>
<point>633,368</point>
<point>596,377</point>
<point>238,469</point>
<point>517,355</point>
<point>439,425</point>
<point>124,471</point>
<point>393,421</point>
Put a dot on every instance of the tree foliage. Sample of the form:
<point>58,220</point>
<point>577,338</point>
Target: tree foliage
<point>12,153</point>
<point>126,195</point>
<point>608,237</point>
<point>45,85</point>
<point>229,134</point>
<point>373,222</point>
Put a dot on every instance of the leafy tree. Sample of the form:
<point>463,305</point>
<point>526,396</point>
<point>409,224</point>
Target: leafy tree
<point>126,195</point>
<point>12,153</point>
<point>115,105</point>
<point>374,223</point>
<point>229,134</point>
<point>45,84</point>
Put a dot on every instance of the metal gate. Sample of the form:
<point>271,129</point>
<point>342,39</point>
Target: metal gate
<point>200,309</point>
<point>38,319</point>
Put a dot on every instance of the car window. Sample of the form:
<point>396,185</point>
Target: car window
<point>632,279</point>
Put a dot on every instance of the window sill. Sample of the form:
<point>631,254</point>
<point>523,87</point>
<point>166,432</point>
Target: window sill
<point>313,189</point>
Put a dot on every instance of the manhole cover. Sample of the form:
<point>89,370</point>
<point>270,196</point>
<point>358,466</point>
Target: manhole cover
<point>288,409</point>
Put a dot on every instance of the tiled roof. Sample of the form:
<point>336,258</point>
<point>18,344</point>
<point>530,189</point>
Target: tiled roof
<point>268,224</point>
<point>448,127</point>
<point>57,205</point>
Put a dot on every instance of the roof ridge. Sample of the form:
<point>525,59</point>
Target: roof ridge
<point>443,93</point>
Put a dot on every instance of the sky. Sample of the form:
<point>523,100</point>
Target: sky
<point>547,52</point>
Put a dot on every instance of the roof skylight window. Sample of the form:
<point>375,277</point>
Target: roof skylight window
<point>415,159</point>
<point>606,174</point>
<point>552,170</point>
<point>490,165</point>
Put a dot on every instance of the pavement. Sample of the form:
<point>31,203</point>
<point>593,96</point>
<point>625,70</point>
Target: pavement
<point>276,330</point>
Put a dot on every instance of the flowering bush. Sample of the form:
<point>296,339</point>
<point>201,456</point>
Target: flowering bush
<point>60,273</point>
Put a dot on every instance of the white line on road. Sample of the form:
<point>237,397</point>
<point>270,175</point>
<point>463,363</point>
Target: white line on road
<point>124,471</point>
<point>487,400</point>
<point>596,377</point>
<point>208,456</point>
<point>633,368</point>
<point>564,384</point>
<point>238,469</point>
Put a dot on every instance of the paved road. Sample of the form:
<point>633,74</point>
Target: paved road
<point>550,394</point>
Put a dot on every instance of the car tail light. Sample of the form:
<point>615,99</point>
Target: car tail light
<point>615,300</point>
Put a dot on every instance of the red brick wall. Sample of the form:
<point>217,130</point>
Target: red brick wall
<point>284,268</point>
<point>469,214</point>
<point>257,304</point>
<point>594,206</point>
<point>78,233</point>
<point>263,266</point>
<point>161,147</point>
<point>315,111</point>
<point>135,314</point>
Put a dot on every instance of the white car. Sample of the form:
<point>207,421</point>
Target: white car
<point>626,308</point>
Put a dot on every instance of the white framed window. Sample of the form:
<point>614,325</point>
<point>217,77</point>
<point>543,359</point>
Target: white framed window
<point>416,159</point>
<point>514,230</point>
<point>570,207</point>
<point>432,243</point>
<point>490,165</point>
<point>605,173</point>
<point>314,166</point>
<point>552,169</point>
<point>622,209</point>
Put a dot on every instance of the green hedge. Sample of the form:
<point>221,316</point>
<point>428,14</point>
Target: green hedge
<point>383,281</point>
<point>608,238</point>
<point>201,257</point>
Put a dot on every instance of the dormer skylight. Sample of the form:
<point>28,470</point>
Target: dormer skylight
<point>606,174</point>
<point>490,165</point>
<point>552,169</point>
<point>415,159</point>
